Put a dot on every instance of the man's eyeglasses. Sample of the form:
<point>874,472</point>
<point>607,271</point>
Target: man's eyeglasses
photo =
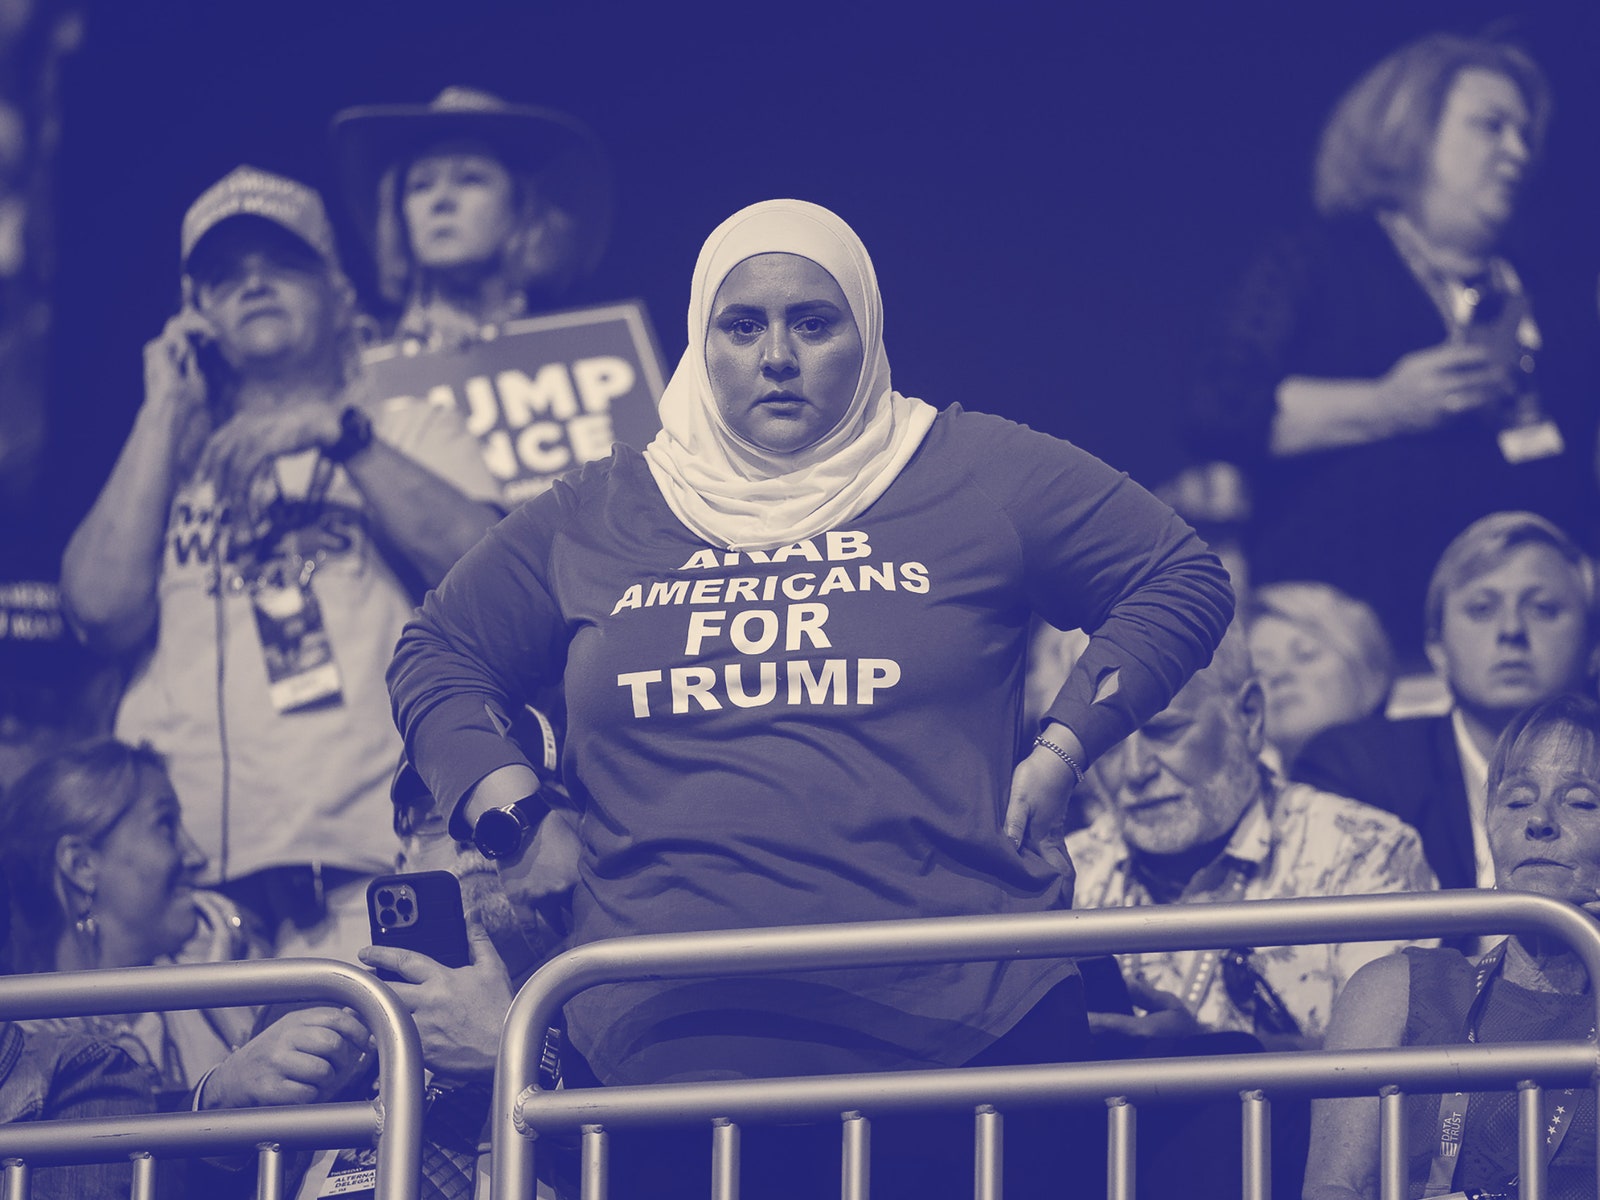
<point>409,819</point>
<point>1253,996</point>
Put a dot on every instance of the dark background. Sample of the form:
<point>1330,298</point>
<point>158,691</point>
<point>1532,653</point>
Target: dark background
<point>1055,195</point>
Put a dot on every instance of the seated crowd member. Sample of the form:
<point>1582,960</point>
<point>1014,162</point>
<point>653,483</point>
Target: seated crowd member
<point>261,541</point>
<point>101,873</point>
<point>1543,821</point>
<point>1194,816</point>
<point>1510,619</point>
<point>1322,658</point>
<point>516,919</point>
<point>49,1075</point>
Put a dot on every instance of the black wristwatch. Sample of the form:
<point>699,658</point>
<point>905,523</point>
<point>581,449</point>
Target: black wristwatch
<point>502,832</point>
<point>355,435</point>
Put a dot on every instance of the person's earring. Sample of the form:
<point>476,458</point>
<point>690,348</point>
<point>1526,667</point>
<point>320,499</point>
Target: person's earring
<point>87,930</point>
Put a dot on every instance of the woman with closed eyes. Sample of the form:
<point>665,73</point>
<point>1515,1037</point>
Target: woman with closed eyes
<point>1544,834</point>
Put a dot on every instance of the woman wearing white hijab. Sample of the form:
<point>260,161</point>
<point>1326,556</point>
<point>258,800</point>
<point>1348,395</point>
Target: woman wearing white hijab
<point>792,635</point>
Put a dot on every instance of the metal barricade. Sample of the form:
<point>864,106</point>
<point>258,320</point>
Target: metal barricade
<point>522,1108</point>
<point>392,1123</point>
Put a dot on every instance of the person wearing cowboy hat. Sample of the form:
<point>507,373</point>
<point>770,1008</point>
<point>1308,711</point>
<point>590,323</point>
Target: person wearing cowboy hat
<point>476,209</point>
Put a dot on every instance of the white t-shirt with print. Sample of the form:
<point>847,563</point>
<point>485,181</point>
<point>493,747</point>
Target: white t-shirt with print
<point>259,787</point>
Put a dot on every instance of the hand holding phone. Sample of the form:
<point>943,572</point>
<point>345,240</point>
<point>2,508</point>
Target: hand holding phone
<point>452,981</point>
<point>421,912</point>
<point>176,362</point>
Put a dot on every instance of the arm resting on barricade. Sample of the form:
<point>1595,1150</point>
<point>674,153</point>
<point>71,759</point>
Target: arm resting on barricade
<point>394,1124</point>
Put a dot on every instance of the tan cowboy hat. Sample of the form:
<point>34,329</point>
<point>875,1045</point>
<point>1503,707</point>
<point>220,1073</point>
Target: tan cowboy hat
<point>573,171</point>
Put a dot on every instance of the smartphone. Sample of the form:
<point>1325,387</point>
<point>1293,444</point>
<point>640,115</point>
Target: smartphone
<point>419,911</point>
<point>208,358</point>
<point>1105,988</point>
<point>208,361</point>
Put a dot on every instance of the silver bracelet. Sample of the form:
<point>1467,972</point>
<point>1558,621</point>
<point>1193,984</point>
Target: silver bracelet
<point>1077,771</point>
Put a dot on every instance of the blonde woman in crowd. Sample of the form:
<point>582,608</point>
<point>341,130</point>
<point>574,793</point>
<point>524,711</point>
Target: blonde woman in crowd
<point>101,873</point>
<point>1322,659</point>
<point>1376,376</point>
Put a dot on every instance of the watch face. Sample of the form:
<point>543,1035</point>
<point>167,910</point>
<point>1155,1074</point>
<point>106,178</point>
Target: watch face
<point>498,833</point>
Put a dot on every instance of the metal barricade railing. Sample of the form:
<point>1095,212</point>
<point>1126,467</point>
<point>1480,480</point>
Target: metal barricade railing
<point>392,1123</point>
<point>522,1108</point>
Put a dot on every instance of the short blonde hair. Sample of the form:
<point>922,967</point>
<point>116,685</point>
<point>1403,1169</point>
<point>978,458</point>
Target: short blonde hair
<point>1341,622</point>
<point>1575,714</point>
<point>1376,143</point>
<point>1488,542</point>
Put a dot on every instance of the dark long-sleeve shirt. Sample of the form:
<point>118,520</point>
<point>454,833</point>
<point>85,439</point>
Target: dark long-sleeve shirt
<point>817,733</point>
<point>1335,301</point>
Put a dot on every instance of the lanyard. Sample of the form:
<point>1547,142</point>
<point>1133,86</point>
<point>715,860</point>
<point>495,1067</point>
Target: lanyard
<point>279,515</point>
<point>270,529</point>
<point>1455,297</point>
<point>1558,1107</point>
<point>1204,968</point>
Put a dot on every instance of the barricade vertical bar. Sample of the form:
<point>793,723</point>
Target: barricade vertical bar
<point>269,1171</point>
<point>1121,1142</point>
<point>1530,1141</point>
<point>16,1179</point>
<point>1256,1145</point>
<point>988,1159</point>
<point>144,1177</point>
<point>855,1161</point>
<point>596,1162</point>
<point>724,1160</point>
<point>1596,1082</point>
<point>1032,935</point>
<point>1393,1182</point>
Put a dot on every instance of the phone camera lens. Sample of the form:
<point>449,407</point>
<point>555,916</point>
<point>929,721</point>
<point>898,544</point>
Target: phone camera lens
<point>386,898</point>
<point>386,916</point>
<point>405,906</point>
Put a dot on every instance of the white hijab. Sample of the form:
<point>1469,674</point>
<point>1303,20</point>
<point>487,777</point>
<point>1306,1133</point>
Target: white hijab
<point>736,494</point>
